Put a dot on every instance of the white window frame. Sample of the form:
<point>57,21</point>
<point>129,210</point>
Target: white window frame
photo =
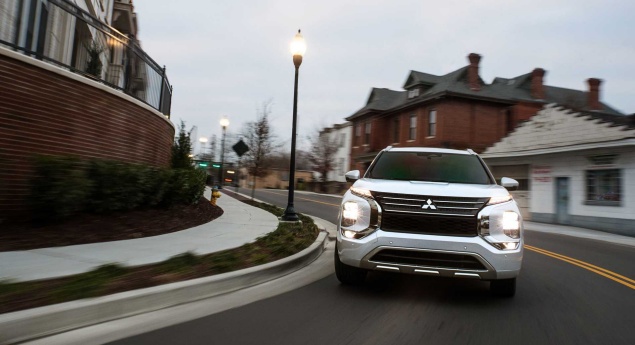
<point>412,130</point>
<point>432,123</point>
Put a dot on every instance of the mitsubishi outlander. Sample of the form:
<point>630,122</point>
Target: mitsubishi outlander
<point>430,211</point>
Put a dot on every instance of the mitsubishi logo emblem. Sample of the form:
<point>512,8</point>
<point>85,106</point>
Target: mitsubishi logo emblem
<point>429,205</point>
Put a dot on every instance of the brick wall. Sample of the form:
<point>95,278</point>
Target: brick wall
<point>47,110</point>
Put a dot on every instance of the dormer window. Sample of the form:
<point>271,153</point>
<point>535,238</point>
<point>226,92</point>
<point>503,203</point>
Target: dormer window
<point>413,93</point>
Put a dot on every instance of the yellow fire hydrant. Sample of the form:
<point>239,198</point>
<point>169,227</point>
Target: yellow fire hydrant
<point>215,195</point>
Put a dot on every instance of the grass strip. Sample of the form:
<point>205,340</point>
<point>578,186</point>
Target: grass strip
<point>286,240</point>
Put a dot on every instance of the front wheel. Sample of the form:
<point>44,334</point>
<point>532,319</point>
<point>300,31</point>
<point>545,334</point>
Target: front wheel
<point>346,274</point>
<point>503,287</point>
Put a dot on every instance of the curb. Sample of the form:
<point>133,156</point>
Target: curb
<point>45,321</point>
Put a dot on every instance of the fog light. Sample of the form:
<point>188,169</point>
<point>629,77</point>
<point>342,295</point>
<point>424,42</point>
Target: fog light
<point>349,234</point>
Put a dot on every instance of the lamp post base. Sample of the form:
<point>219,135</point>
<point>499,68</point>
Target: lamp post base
<point>290,215</point>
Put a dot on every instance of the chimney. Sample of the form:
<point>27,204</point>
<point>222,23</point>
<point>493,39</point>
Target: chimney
<point>593,96</point>
<point>537,89</point>
<point>472,72</point>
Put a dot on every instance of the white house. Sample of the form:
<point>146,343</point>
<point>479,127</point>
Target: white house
<point>341,133</point>
<point>579,168</point>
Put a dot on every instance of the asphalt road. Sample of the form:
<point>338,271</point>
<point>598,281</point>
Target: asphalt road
<point>560,300</point>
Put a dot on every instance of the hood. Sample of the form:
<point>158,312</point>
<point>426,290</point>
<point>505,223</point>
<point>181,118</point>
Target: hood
<point>432,188</point>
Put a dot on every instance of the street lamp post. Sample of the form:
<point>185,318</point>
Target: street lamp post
<point>298,48</point>
<point>224,122</point>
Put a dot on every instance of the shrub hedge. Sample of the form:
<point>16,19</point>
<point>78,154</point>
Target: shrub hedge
<point>66,186</point>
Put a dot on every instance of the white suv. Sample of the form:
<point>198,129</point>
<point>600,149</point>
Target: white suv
<point>430,211</point>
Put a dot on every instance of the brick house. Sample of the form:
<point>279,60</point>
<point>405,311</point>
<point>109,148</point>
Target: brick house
<point>458,110</point>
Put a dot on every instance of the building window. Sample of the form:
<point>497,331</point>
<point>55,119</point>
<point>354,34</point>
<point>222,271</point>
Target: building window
<point>413,93</point>
<point>603,187</point>
<point>342,166</point>
<point>358,133</point>
<point>342,139</point>
<point>395,130</point>
<point>432,123</point>
<point>412,135</point>
<point>367,134</point>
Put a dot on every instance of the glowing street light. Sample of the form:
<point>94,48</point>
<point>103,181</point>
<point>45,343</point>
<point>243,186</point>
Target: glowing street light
<point>298,48</point>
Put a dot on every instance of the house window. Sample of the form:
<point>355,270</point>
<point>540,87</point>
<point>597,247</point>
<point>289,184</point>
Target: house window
<point>413,93</point>
<point>358,133</point>
<point>367,134</point>
<point>395,130</point>
<point>603,187</point>
<point>413,127</point>
<point>432,123</point>
<point>342,139</point>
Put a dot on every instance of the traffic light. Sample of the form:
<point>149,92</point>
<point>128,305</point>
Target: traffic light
<point>216,165</point>
<point>202,164</point>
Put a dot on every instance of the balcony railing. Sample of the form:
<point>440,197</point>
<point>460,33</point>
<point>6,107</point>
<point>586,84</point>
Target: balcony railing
<point>61,33</point>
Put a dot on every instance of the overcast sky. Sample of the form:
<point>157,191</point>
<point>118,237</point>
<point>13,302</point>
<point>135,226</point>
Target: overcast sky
<point>228,57</point>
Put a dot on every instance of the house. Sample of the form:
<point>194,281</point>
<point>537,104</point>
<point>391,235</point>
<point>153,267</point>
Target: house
<point>578,168</point>
<point>340,134</point>
<point>458,110</point>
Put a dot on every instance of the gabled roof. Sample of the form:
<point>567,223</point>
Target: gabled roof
<point>455,83</point>
<point>558,129</point>
<point>381,100</point>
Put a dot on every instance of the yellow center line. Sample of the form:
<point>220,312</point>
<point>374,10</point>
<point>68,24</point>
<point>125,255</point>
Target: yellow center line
<point>595,269</point>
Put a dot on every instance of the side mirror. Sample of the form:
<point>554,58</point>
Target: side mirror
<point>509,183</point>
<point>352,176</point>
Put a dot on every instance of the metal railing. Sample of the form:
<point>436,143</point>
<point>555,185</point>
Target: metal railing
<point>61,33</point>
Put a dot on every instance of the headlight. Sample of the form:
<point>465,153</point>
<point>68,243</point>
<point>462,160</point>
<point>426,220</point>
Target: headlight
<point>511,224</point>
<point>359,217</point>
<point>350,213</point>
<point>495,200</point>
<point>501,228</point>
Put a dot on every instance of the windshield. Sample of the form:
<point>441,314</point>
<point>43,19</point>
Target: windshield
<point>429,166</point>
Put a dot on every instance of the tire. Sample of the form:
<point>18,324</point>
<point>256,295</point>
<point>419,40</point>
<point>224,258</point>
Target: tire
<point>348,275</point>
<point>503,287</point>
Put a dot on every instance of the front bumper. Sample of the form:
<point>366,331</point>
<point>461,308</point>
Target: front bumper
<point>445,256</point>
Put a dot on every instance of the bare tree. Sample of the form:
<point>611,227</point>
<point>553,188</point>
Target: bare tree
<point>260,139</point>
<point>322,152</point>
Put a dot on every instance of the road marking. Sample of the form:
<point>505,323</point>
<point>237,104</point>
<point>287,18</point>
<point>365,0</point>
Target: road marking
<point>599,270</point>
<point>319,202</point>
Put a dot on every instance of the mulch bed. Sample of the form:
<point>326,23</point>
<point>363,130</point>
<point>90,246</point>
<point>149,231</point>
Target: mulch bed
<point>91,228</point>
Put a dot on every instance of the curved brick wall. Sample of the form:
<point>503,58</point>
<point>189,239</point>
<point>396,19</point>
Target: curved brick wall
<point>47,110</point>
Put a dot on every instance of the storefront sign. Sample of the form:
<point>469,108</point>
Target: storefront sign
<point>541,173</point>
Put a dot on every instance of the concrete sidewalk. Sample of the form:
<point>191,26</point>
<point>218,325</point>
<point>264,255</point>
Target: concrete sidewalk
<point>239,224</point>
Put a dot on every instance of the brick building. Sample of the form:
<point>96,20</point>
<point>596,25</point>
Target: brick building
<point>458,110</point>
<point>73,85</point>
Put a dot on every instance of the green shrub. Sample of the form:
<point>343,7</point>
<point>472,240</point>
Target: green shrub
<point>186,186</point>
<point>61,188</point>
<point>66,186</point>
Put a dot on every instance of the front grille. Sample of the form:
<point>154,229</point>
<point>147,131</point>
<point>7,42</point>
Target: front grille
<point>427,214</point>
<point>429,204</point>
<point>431,225</point>
<point>427,259</point>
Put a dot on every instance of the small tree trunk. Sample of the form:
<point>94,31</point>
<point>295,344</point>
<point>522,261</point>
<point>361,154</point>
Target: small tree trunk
<point>253,188</point>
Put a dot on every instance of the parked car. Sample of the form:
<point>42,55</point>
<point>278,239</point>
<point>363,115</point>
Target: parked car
<point>430,211</point>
